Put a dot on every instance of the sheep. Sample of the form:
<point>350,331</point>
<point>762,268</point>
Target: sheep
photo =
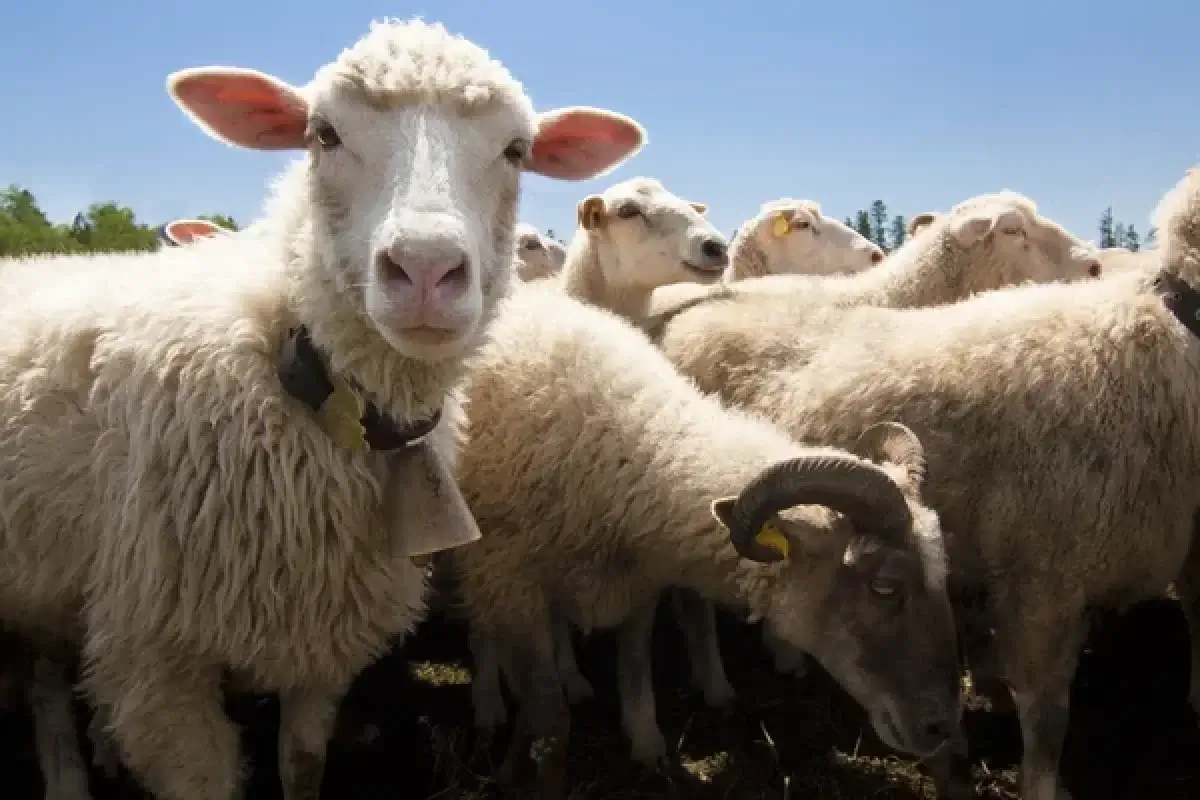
<point>537,255</point>
<point>1062,423</point>
<point>634,237</point>
<point>184,231</point>
<point>793,236</point>
<point>166,503</point>
<point>595,470</point>
<point>986,241</point>
<point>1120,258</point>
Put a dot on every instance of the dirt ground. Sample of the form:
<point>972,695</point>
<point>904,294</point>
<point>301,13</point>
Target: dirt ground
<point>1132,733</point>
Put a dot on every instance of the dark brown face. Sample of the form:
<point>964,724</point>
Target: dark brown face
<point>885,632</point>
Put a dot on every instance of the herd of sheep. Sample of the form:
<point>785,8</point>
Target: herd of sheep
<point>236,462</point>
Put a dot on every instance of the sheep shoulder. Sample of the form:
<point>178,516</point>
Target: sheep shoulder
<point>207,499</point>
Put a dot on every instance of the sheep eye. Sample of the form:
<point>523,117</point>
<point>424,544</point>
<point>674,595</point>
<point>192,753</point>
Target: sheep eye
<point>516,152</point>
<point>532,244</point>
<point>803,225</point>
<point>325,135</point>
<point>628,211</point>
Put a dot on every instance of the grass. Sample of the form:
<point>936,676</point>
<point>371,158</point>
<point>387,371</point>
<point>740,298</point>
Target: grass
<point>406,732</point>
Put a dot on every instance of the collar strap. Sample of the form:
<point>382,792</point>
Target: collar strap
<point>303,375</point>
<point>1182,300</point>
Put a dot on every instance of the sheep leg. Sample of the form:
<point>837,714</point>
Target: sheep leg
<point>169,722</point>
<point>698,619</point>
<point>788,659</point>
<point>1188,587</point>
<point>105,756</point>
<point>577,687</point>
<point>306,720</point>
<point>59,757</point>
<point>635,682</point>
<point>951,773</point>
<point>1043,700</point>
<point>543,725</point>
<point>487,698</point>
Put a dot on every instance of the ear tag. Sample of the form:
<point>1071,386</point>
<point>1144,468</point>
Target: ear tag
<point>773,538</point>
<point>781,226</point>
<point>341,417</point>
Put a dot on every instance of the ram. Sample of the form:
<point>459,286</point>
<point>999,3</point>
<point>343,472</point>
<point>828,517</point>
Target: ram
<point>595,470</point>
<point>223,456</point>
<point>1062,425</point>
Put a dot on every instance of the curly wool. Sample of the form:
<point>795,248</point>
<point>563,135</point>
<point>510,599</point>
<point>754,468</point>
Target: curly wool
<point>158,480</point>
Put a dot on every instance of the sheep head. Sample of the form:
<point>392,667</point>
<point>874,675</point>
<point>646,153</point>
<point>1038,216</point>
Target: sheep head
<point>645,237</point>
<point>862,582</point>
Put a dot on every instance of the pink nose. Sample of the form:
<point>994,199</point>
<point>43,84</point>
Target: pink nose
<point>424,281</point>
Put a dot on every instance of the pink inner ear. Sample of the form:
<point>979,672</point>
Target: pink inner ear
<point>185,232</point>
<point>581,144</point>
<point>246,110</point>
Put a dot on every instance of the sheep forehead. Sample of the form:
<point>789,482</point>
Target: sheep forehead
<point>399,63</point>
<point>525,231</point>
<point>650,193</point>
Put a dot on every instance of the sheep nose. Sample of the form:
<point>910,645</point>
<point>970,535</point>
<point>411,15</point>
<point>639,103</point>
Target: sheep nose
<point>425,279</point>
<point>715,251</point>
<point>876,256</point>
<point>1093,268</point>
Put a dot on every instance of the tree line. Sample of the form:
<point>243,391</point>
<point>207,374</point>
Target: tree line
<point>109,227</point>
<point>890,232</point>
<point>101,228</point>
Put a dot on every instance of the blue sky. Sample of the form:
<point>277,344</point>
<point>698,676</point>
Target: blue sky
<point>1077,104</point>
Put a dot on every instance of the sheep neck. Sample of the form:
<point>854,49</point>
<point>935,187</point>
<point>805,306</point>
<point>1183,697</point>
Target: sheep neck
<point>583,278</point>
<point>923,272</point>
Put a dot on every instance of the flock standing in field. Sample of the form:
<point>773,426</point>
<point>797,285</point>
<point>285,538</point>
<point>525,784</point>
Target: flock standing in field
<point>231,461</point>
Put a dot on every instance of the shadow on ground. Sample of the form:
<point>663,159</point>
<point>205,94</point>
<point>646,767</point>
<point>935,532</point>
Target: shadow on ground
<point>406,729</point>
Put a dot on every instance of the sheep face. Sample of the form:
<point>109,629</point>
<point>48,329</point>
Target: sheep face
<point>867,596</point>
<point>798,239</point>
<point>645,237</point>
<point>415,142</point>
<point>1028,246</point>
<point>537,256</point>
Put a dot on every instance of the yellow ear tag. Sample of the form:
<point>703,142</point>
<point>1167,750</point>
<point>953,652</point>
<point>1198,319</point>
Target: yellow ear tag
<point>772,537</point>
<point>781,226</point>
<point>341,417</point>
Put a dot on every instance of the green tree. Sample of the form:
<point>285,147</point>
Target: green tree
<point>1151,237</point>
<point>220,219</point>
<point>849,222</point>
<point>1132,240</point>
<point>879,221</point>
<point>1106,228</point>
<point>862,224</point>
<point>899,231</point>
<point>1118,235</point>
<point>24,227</point>
<point>108,228</point>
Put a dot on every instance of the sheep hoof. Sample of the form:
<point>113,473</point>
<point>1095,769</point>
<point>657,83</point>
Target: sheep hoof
<point>577,688</point>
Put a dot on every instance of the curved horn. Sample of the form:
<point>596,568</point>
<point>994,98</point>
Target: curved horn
<point>895,443</point>
<point>859,489</point>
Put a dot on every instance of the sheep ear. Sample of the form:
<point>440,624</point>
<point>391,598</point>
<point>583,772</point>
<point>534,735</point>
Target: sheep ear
<point>241,107</point>
<point>591,212</point>
<point>920,221</point>
<point>578,143</point>
<point>185,231</point>
<point>700,208</point>
<point>969,228</point>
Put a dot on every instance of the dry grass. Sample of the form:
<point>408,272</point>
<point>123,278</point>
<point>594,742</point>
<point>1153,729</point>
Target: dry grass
<point>406,730</point>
